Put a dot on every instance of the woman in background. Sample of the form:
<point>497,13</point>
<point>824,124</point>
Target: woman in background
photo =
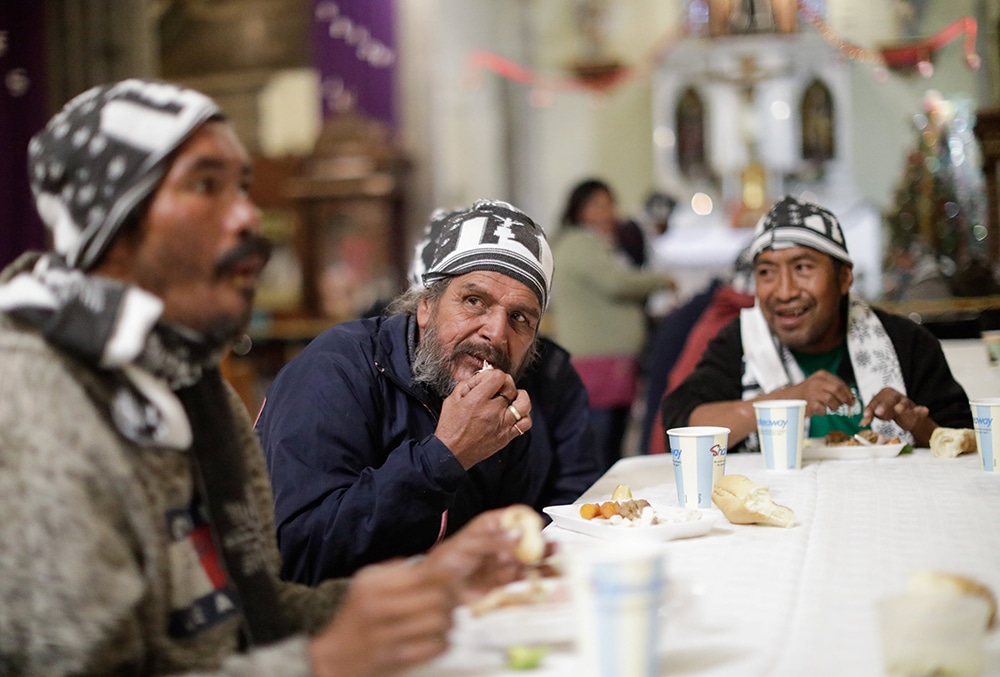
<point>597,307</point>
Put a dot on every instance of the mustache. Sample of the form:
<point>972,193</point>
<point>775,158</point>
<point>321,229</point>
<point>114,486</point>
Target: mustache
<point>253,246</point>
<point>484,351</point>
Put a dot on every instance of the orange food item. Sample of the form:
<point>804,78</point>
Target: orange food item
<point>589,511</point>
<point>609,508</point>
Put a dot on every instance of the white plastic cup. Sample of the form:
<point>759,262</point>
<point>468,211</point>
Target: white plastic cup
<point>985,417</point>
<point>699,454</point>
<point>780,431</point>
<point>932,634</point>
<point>617,592</point>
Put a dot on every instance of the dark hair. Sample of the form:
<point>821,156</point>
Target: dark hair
<point>579,196</point>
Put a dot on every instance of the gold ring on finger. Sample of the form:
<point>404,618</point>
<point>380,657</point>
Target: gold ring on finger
<point>514,412</point>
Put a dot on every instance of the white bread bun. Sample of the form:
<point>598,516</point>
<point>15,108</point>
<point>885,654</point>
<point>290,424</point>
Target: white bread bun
<point>743,502</point>
<point>528,525</point>
<point>938,582</point>
<point>951,442</point>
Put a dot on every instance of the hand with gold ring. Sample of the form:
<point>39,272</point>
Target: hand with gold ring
<point>477,419</point>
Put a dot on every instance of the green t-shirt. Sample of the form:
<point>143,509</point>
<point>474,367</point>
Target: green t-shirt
<point>846,418</point>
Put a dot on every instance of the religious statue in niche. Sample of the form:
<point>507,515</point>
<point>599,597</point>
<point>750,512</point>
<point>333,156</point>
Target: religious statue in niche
<point>741,17</point>
<point>817,116</point>
<point>690,125</point>
<point>594,62</point>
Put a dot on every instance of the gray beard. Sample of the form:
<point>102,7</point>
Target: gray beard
<point>433,363</point>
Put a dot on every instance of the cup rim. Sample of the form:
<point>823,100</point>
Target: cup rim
<point>985,401</point>
<point>767,404</point>
<point>698,431</point>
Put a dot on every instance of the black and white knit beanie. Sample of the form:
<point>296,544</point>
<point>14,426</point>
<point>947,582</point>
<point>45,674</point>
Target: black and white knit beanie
<point>489,235</point>
<point>794,223</point>
<point>103,154</point>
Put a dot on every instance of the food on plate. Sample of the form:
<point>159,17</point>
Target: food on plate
<point>524,657</point>
<point>527,524</point>
<point>940,582</point>
<point>534,590</point>
<point>622,492</point>
<point>838,438</point>
<point>952,442</point>
<point>743,502</point>
<point>631,511</point>
<point>869,435</point>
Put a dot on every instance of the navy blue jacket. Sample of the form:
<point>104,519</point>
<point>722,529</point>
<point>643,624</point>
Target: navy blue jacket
<point>564,461</point>
<point>357,472</point>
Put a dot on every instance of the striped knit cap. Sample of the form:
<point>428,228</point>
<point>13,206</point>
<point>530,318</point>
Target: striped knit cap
<point>792,223</point>
<point>103,154</point>
<point>490,235</point>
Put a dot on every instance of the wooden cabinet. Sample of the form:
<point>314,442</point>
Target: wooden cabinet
<point>341,250</point>
<point>352,241</point>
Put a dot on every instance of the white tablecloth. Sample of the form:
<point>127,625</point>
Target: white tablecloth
<point>764,601</point>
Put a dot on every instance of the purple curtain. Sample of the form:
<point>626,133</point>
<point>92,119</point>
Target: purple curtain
<point>355,53</point>
<point>22,113</point>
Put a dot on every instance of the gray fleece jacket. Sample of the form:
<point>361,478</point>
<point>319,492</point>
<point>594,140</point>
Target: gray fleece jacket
<point>104,566</point>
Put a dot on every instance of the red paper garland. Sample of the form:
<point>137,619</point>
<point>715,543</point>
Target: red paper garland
<point>914,55</point>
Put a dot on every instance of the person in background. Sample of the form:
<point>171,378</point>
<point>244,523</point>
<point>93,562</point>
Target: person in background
<point>807,337</point>
<point>385,434</point>
<point>598,310</point>
<point>633,237</point>
<point>137,535</point>
<point>680,341</point>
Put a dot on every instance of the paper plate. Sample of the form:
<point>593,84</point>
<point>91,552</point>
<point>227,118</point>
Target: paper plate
<point>815,450</point>
<point>675,523</point>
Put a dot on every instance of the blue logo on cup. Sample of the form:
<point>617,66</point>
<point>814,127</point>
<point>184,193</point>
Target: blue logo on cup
<point>982,422</point>
<point>772,423</point>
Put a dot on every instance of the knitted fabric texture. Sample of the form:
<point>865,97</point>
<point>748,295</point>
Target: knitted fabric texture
<point>794,223</point>
<point>490,235</point>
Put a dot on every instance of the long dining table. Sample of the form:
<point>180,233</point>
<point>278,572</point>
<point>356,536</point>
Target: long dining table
<point>761,601</point>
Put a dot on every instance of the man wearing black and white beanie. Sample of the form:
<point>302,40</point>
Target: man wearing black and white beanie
<point>137,535</point>
<point>386,434</point>
<point>807,337</point>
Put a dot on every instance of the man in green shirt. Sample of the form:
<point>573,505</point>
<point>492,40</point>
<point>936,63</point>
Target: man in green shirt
<point>808,338</point>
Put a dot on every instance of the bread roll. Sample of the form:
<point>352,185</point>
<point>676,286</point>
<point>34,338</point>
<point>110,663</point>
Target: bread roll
<point>924,581</point>
<point>743,502</point>
<point>528,525</point>
<point>951,442</point>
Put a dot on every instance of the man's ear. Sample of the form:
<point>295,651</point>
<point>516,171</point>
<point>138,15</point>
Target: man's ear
<point>423,312</point>
<point>846,279</point>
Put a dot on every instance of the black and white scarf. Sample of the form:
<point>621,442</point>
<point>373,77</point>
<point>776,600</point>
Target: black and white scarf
<point>114,327</point>
<point>168,394</point>
<point>770,365</point>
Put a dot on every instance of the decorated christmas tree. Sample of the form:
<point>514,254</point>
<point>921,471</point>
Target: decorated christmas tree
<point>936,241</point>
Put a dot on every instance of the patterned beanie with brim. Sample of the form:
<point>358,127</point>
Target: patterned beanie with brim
<point>103,154</point>
<point>795,223</point>
<point>489,235</point>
